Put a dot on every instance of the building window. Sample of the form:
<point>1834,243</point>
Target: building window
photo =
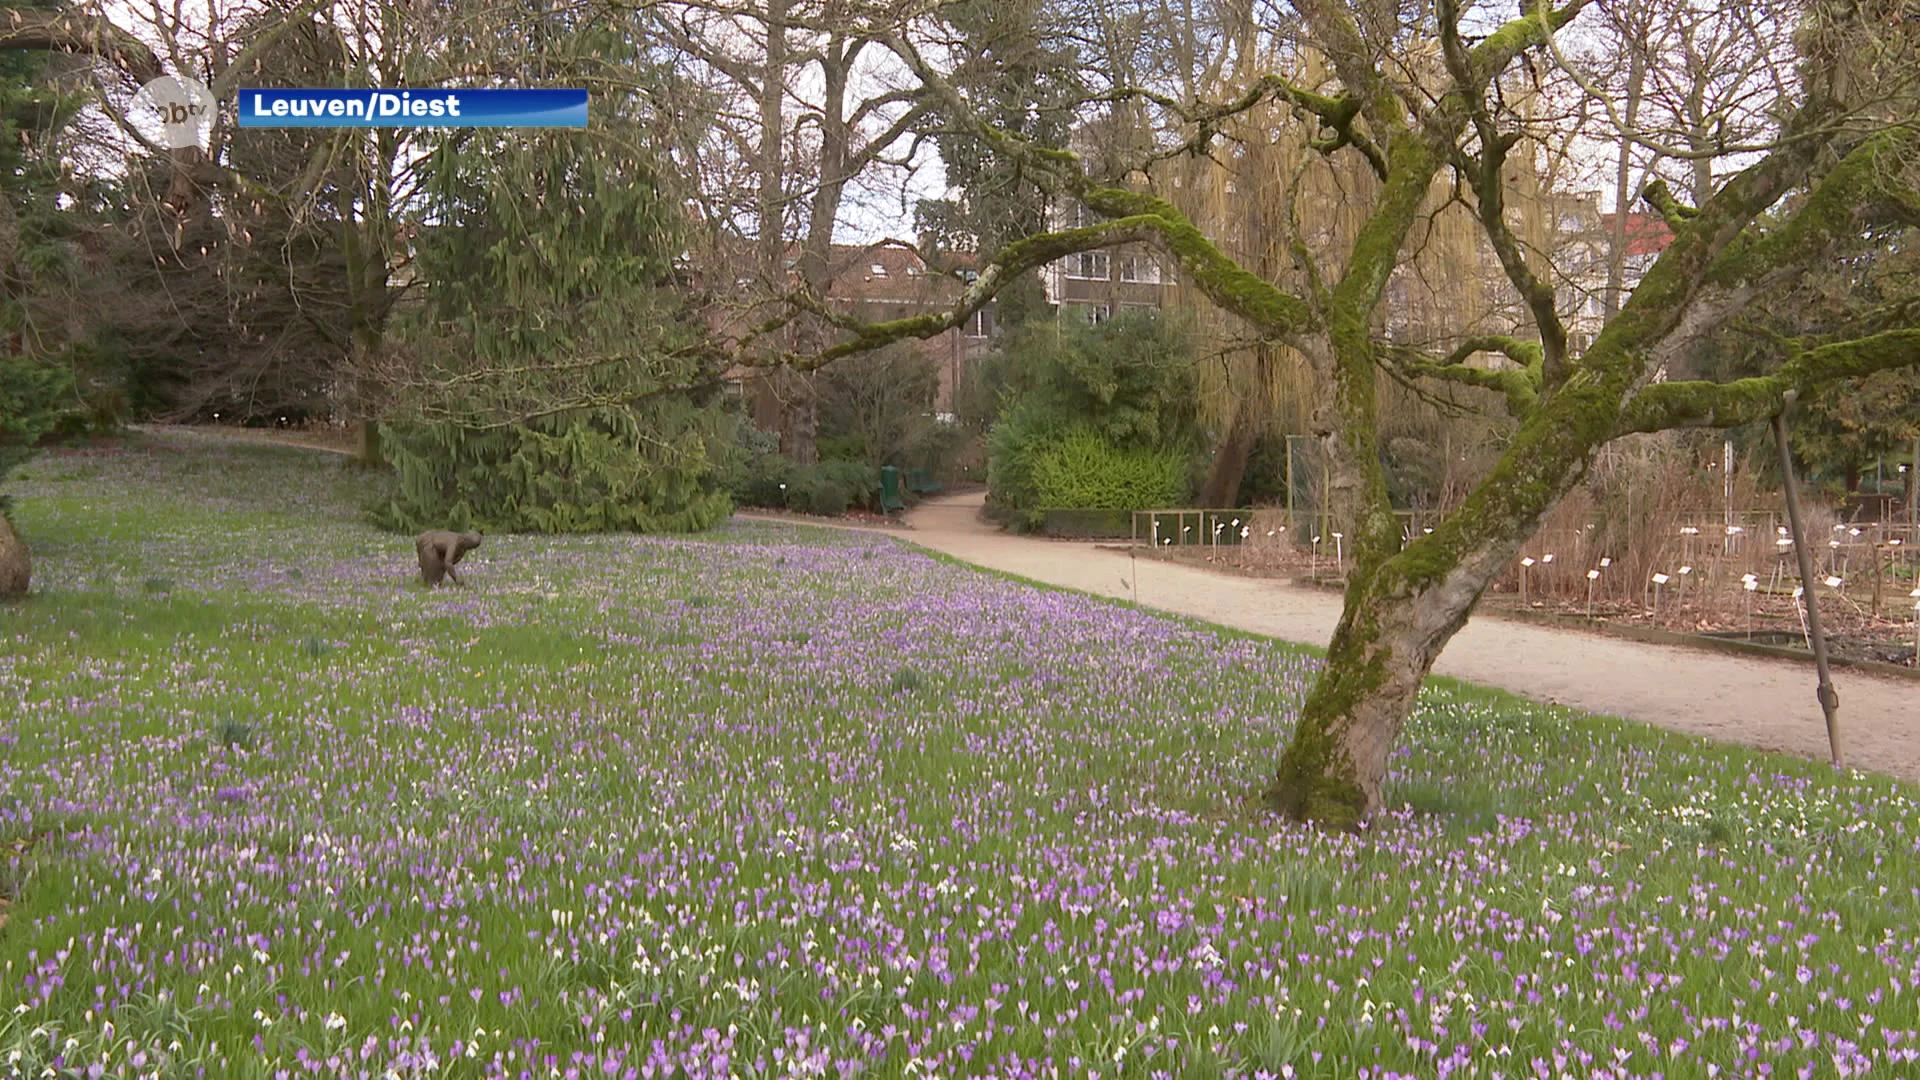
<point>1099,313</point>
<point>1089,265</point>
<point>978,324</point>
<point>1140,268</point>
<point>878,270</point>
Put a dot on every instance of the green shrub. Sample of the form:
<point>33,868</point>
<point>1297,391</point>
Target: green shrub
<point>1024,432</point>
<point>637,469</point>
<point>877,407</point>
<point>1083,471</point>
<point>1094,418</point>
<point>830,488</point>
<point>1133,378</point>
<point>33,398</point>
<point>830,499</point>
<point>763,481</point>
<point>859,480</point>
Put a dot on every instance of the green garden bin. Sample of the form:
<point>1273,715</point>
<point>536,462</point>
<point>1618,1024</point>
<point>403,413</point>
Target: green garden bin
<point>890,499</point>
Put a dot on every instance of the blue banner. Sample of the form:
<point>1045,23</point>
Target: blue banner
<point>413,108</point>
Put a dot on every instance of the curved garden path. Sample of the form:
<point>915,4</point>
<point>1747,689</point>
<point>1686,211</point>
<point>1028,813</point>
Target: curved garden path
<point>1759,703</point>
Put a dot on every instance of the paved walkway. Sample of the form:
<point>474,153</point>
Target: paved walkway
<point>1761,703</point>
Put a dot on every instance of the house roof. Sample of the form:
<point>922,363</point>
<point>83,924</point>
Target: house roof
<point>1647,234</point>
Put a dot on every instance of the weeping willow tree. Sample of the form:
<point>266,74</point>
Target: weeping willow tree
<point>1844,152</point>
<point>554,378</point>
<point>1274,204</point>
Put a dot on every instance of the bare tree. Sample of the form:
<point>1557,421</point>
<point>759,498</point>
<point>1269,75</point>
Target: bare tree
<point>826,117</point>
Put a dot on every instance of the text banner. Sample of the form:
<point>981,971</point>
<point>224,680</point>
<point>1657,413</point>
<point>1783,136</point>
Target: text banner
<point>413,107</point>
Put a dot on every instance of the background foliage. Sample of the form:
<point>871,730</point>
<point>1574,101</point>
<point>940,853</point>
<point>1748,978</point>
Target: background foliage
<point>1095,417</point>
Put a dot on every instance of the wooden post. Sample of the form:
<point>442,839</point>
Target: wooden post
<point>1913,491</point>
<point>1829,698</point>
<point>1875,549</point>
<point>1290,521</point>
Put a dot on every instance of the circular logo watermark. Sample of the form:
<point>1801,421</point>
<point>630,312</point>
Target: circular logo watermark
<point>174,111</point>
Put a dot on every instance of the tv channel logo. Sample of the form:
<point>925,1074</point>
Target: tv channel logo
<point>174,111</point>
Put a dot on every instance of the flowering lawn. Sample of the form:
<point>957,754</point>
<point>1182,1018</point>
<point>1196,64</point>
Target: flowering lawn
<point>774,802</point>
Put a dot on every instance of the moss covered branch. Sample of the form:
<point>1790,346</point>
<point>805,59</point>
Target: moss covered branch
<point>1224,281</point>
<point>1861,182</point>
<point>1664,406</point>
<point>1157,222</point>
<point>1014,259</point>
<point>1520,385</point>
<point>1500,48</point>
<point>1134,217</point>
<point>1335,112</point>
<point>1484,175</point>
<point>1675,213</point>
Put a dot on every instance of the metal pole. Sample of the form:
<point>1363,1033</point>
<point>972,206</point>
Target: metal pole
<point>1828,696</point>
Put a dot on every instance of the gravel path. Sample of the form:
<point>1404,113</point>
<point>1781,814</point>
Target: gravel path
<point>1760,703</point>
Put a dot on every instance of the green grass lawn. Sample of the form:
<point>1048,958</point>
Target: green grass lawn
<point>774,801</point>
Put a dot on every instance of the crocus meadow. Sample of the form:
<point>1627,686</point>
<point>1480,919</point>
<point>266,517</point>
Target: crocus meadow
<point>776,801</point>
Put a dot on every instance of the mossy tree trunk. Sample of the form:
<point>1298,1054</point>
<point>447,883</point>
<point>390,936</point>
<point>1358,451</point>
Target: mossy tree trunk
<point>1403,605</point>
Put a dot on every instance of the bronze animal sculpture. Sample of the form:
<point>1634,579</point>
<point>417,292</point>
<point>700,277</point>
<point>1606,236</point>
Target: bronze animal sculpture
<point>439,550</point>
